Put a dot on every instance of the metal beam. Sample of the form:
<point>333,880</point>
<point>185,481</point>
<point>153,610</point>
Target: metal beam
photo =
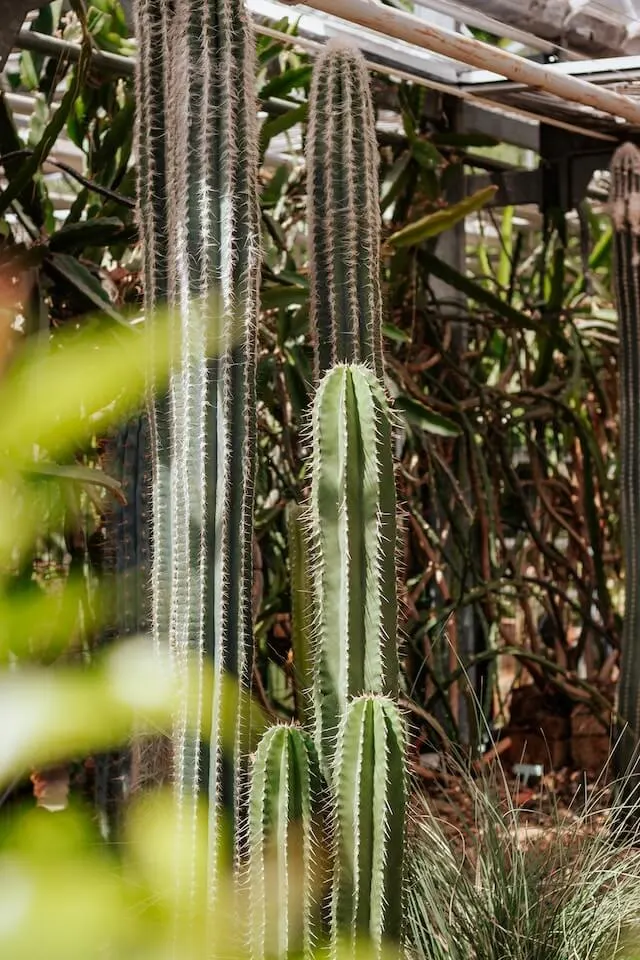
<point>557,20</point>
<point>471,17</point>
<point>515,187</point>
<point>605,70</point>
<point>519,133</point>
<point>404,26</point>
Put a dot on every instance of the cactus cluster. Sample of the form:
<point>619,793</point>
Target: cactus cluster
<point>625,208</point>
<point>333,791</point>
<point>346,545</point>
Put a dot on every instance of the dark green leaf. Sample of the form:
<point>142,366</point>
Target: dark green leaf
<point>99,232</point>
<point>274,126</point>
<point>84,282</point>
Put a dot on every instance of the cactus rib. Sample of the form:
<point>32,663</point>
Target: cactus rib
<point>151,24</point>
<point>344,213</point>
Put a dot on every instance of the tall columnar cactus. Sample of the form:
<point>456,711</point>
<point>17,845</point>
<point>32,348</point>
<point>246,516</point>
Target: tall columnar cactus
<point>344,213</point>
<point>370,790</point>
<point>353,531</point>
<point>284,872</point>
<point>350,546</point>
<point>625,200</point>
<point>198,74</point>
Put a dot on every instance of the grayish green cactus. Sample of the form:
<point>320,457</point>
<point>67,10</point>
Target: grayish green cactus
<point>353,531</point>
<point>625,200</point>
<point>197,78</point>
<point>371,796</point>
<point>284,837</point>
<point>344,213</point>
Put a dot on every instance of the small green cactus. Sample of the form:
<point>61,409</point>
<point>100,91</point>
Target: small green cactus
<point>344,212</point>
<point>353,531</point>
<point>284,837</point>
<point>371,796</point>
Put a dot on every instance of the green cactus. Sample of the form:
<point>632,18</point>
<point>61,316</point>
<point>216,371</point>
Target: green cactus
<point>625,200</point>
<point>353,531</point>
<point>371,795</point>
<point>345,547</point>
<point>201,238</point>
<point>284,837</point>
<point>344,213</point>
<point>208,118</point>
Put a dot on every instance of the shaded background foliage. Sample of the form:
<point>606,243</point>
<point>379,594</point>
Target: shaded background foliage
<point>504,380</point>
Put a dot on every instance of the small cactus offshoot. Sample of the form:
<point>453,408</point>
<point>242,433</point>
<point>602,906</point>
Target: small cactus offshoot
<point>371,796</point>
<point>284,838</point>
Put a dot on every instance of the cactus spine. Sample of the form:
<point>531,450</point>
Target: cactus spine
<point>625,199</point>
<point>283,816</point>
<point>370,793</point>
<point>353,528</point>
<point>344,213</point>
<point>213,235</point>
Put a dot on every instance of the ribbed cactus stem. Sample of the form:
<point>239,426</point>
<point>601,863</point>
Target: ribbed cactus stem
<point>344,212</point>
<point>301,610</point>
<point>127,527</point>
<point>213,237</point>
<point>371,797</point>
<point>353,531</point>
<point>151,23</point>
<point>283,834</point>
<point>625,204</point>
